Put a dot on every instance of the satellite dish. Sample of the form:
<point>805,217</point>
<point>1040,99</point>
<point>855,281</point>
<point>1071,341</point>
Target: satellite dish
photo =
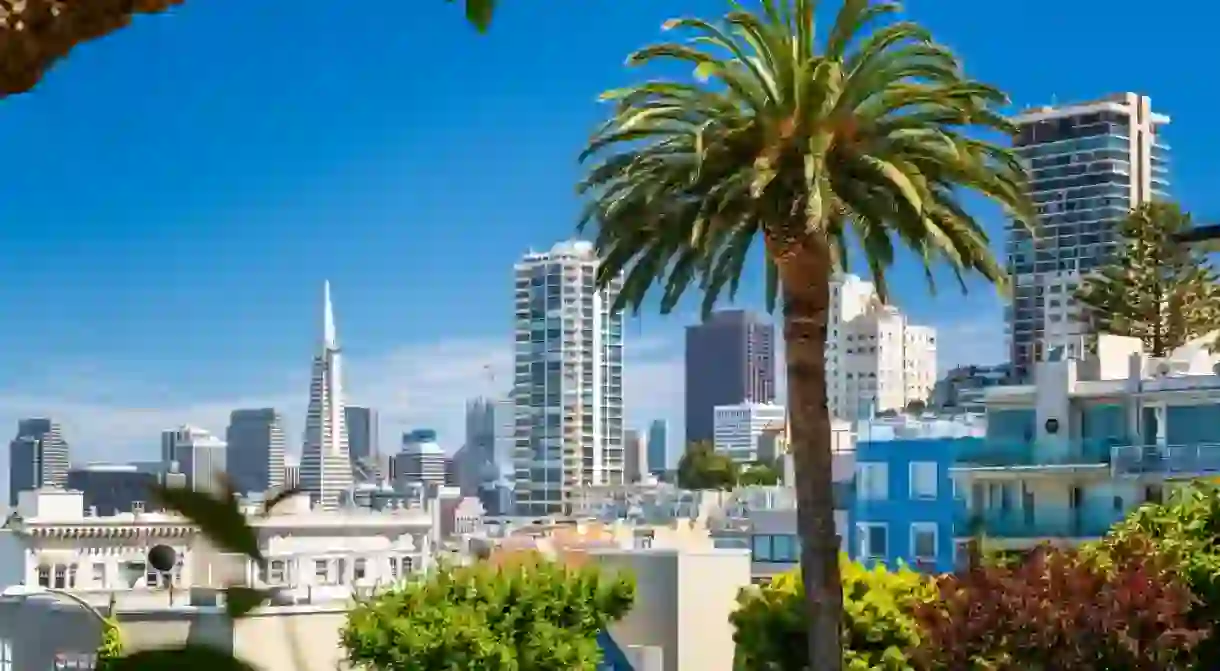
<point>162,558</point>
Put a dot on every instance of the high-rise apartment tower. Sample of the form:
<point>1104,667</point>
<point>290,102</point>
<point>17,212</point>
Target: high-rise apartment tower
<point>568,386</point>
<point>730,358</point>
<point>1089,164</point>
<point>198,455</point>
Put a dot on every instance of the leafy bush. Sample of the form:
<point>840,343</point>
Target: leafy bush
<point>1182,532</point>
<point>879,626</point>
<point>111,647</point>
<point>1061,611</point>
<point>527,613</point>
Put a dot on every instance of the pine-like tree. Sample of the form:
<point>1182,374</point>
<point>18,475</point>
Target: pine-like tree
<point>1153,288</point>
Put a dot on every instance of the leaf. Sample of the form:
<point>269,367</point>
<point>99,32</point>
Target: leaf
<point>186,658</point>
<point>241,600</point>
<point>479,13</point>
<point>220,520</point>
<point>278,498</point>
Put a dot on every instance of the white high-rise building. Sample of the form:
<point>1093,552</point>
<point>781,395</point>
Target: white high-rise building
<point>326,469</point>
<point>197,454</point>
<point>568,387</point>
<point>876,360</point>
<point>1089,164</point>
<point>737,428</point>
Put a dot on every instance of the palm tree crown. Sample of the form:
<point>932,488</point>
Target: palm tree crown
<point>866,135</point>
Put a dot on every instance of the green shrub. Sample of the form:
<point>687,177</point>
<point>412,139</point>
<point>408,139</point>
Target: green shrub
<point>878,624</point>
<point>111,647</point>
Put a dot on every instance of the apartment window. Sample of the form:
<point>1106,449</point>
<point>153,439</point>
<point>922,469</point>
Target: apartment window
<point>44,575</point>
<point>874,479</point>
<point>72,568</point>
<point>408,565</point>
<point>924,477</point>
<point>321,571</point>
<point>924,541</point>
<point>61,576</point>
<point>359,568</point>
<point>873,540</point>
<point>99,574</point>
<point>340,571</point>
<point>276,574</point>
<point>394,568</point>
<point>151,577</point>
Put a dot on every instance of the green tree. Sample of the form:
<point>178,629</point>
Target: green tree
<point>527,614</point>
<point>35,34</point>
<point>1153,288</point>
<point>759,474</point>
<point>771,623</point>
<point>870,135</point>
<point>702,467</point>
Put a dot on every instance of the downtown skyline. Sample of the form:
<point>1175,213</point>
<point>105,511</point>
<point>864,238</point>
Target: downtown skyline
<point>116,356</point>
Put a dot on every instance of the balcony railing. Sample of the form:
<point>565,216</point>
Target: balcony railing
<point>1167,460</point>
<point>993,453</point>
<point>1041,523</point>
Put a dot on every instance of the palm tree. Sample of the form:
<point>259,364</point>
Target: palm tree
<point>806,144</point>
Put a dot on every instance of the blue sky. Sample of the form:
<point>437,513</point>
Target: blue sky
<point>177,192</point>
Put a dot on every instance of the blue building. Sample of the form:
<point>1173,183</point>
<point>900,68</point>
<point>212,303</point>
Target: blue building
<point>904,507</point>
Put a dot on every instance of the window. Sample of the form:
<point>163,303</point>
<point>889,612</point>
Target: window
<point>61,576</point>
<point>783,549</point>
<point>340,571</point>
<point>874,480</point>
<point>924,541</point>
<point>276,574</point>
<point>151,577</point>
<point>72,575</point>
<point>408,565</point>
<point>44,575</point>
<point>359,566</point>
<point>321,571</point>
<point>924,476</point>
<point>760,548</point>
<point>872,538</point>
<point>394,568</point>
<point>99,574</point>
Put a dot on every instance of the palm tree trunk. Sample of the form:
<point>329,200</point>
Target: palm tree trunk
<point>805,277</point>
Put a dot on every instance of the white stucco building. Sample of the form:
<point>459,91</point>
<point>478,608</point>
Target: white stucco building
<point>311,554</point>
<point>737,428</point>
<point>876,359</point>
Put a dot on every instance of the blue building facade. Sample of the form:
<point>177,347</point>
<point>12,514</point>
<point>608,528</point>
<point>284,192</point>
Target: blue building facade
<point>904,507</point>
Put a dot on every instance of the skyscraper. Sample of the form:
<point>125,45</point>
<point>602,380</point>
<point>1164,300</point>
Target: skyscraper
<point>569,378</point>
<point>326,468</point>
<point>658,446</point>
<point>1089,164</point>
<point>38,457</point>
<point>362,432</point>
<point>730,358</point>
<point>255,458</point>
<point>198,455</point>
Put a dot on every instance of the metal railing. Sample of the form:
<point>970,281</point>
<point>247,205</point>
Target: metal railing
<point>1043,522</point>
<point>1166,460</point>
<point>993,453</point>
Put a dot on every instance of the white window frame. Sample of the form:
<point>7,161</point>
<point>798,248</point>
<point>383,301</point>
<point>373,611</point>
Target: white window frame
<point>867,472</point>
<point>912,481</point>
<point>862,539</point>
<point>921,527</point>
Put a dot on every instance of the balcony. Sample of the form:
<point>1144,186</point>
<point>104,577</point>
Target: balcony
<point>991,454</point>
<point>1040,523</point>
<point>1169,461</point>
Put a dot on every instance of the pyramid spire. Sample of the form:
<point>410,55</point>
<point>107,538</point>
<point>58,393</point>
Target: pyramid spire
<point>328,319</point>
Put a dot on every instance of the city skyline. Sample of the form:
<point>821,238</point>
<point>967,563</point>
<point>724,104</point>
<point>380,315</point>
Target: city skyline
<point>116,357</point>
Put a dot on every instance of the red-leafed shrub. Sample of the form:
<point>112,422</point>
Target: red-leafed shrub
<point>1062,611</point>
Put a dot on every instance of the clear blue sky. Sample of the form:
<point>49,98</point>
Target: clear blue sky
<point>176,193</point>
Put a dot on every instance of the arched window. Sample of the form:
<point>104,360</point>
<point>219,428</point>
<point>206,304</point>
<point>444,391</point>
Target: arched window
<point>44,575</point>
